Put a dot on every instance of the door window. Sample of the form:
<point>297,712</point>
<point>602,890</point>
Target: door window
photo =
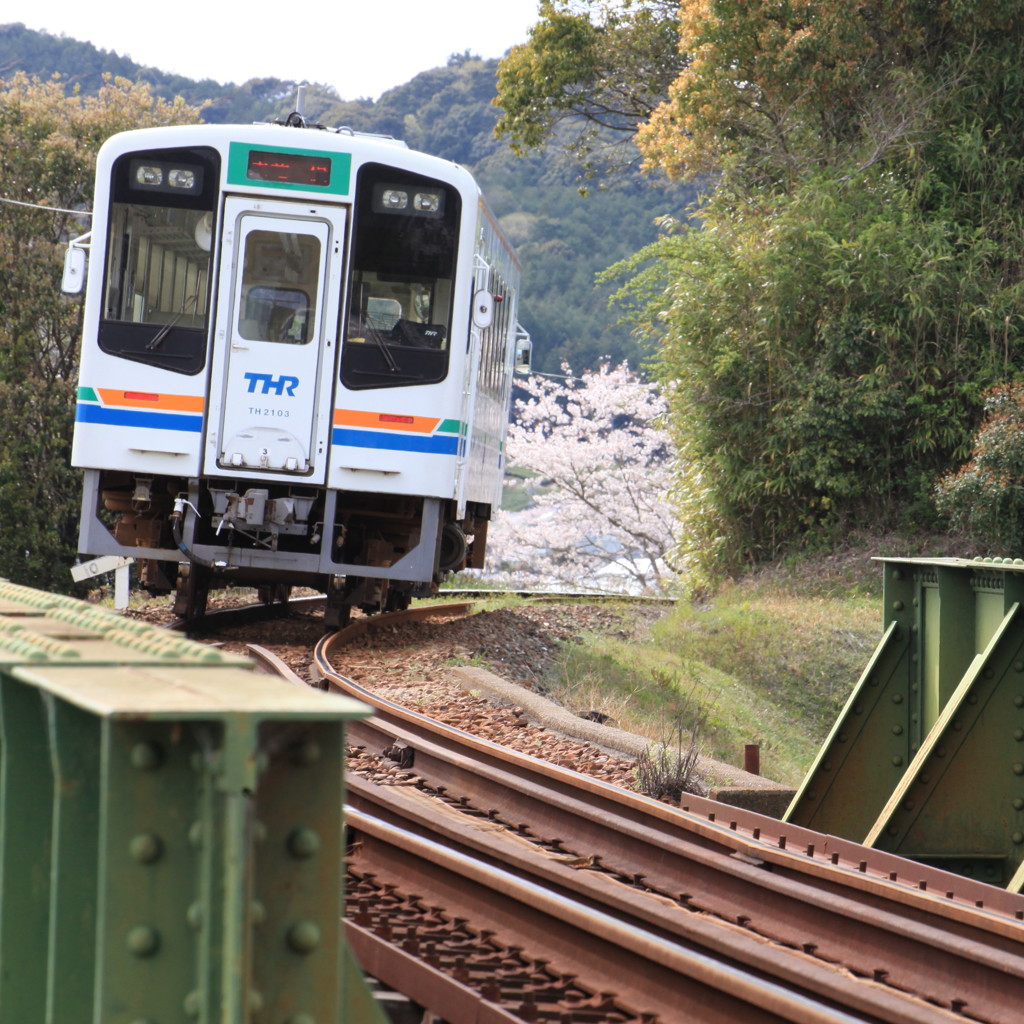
<point>280,285</point>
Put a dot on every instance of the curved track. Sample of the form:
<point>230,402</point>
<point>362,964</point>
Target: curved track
<point>827,921</point>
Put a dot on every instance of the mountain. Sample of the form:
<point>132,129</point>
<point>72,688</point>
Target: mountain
<point>564,239</point>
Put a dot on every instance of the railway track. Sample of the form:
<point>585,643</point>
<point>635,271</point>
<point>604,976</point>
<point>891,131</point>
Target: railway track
<point>496,887</point>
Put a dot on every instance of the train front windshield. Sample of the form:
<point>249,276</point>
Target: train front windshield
<point>404,248</point>
<point>156,290</point>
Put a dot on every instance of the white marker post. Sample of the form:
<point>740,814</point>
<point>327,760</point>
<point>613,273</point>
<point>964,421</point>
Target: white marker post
<point>120,567</point>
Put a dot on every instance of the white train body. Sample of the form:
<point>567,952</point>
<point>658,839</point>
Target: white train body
<point>296,364</point>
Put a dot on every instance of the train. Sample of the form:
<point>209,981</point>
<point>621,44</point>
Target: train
<point>298,352</point>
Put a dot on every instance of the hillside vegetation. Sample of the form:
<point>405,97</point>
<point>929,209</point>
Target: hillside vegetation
<point>851,286</point>
<point>564,239</point>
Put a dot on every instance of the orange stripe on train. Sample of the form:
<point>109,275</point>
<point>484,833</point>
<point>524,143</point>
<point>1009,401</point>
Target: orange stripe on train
<point>385,421</point>
<point>151,400</point>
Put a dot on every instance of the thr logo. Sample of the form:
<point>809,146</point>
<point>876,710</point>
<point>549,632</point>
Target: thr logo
<point>271,385</point>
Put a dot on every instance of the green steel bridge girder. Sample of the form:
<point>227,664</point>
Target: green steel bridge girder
<point>171,834</point>
<point>927,757</point>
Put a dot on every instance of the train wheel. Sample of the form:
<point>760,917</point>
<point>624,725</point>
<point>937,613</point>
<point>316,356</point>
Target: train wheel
<point>337,610</point>
<point>397,600</point>
<point>192,591</point>
<point>274,593</point>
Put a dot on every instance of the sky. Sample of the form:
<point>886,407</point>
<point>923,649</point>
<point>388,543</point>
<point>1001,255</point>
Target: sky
<point>363,49</point>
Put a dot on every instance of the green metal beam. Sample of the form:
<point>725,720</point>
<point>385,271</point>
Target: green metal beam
<point>960,805</point>
<point>927,757</point>
<point>869,746</point>
<point>171,835</point>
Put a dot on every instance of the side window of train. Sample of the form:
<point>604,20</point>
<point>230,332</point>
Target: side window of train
<point>157,275</point>
<point>401,285</point>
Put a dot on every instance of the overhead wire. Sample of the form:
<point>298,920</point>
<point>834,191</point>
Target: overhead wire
<point>39,206</point>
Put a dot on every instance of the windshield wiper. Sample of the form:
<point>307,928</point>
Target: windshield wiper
<point>157,340</point>
<point>384,350</point>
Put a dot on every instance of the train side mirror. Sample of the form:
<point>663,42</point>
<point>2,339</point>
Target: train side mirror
<point>524,351</point>
<point>73,280</point>
<point>483,309</point>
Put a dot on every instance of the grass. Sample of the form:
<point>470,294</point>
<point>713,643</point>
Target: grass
<point>767,660</point>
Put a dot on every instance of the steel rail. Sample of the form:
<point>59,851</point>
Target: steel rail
<point>633,968</point>
<point>730,944</point>
<point>942,946</point>
<point>777,841</point>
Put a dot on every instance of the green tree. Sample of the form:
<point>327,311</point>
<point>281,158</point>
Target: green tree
<point>984,499</point>
<point>48,143</point>
<point>853,286</point>
<point>590,74</point>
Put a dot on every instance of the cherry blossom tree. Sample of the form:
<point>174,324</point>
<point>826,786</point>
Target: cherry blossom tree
<point>601,461</point>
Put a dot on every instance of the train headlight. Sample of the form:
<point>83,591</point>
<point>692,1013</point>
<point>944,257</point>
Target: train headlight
<point>151,175</point>
<point>180,177</point>
<point>147,174</point>
<point>427,202</point>
<point>407,199</point>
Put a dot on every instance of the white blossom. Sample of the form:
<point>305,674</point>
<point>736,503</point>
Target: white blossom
<point>602,460</point>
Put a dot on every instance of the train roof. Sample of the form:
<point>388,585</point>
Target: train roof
<point>365,146</point>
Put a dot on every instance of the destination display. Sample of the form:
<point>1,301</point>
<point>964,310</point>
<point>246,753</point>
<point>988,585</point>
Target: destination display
<point>293,168</point>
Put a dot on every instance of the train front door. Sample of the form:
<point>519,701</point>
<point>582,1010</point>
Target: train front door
<point>275,339</point>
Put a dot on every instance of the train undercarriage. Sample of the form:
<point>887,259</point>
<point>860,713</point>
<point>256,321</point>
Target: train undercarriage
<point>371,551</point>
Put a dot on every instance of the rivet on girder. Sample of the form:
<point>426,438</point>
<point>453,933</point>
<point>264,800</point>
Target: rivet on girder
<point>1018,666</point>
<point>307,752</point>
<point>143,940</point>
<point>147,756</point>
<point>257,912</point>
<point>897,698</point>
<point>197,834</point>
<point>1018,837</point>
<point>1018,701</point>
<point>195,915</point>
<point>303,937</point>
<point>897,730</point>
<point>255,1001</point>
<point>193,1004</point>
<point>1018,769</point>
<point>146,848</point>
<point>897,761</point>
<point>1018,734</point>
<point>303,842</point>
<point>1018,804</point>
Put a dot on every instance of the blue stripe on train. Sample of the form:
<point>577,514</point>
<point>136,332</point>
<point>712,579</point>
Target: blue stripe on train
<point>434,444</point>
<point>138,418</point>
